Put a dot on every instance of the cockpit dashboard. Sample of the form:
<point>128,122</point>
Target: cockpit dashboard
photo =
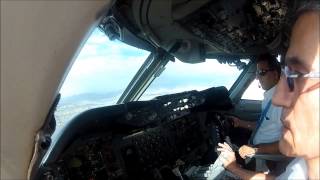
<point>164,138</point>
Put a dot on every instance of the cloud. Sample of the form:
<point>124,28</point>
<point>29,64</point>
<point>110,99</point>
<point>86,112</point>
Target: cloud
<point>102,65</point>
<point>97,37</point>
<point>105,66</point>
<point>211,66</point>
<point>100,73</point>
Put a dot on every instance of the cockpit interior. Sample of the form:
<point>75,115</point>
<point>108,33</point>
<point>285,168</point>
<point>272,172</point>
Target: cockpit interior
<point>171,136</point>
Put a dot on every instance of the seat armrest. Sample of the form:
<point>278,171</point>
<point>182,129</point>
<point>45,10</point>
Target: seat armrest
<point>270,157</point>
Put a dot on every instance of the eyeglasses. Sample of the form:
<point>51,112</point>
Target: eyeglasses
<point>291,75</point>
<point>263,72</point>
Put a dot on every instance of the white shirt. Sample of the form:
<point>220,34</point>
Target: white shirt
<point>271,127</point>
<point>297,169</point>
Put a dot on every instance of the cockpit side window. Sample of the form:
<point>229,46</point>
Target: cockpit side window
<point>253,92</point>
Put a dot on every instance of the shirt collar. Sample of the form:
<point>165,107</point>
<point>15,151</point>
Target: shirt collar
<point>269,93</point>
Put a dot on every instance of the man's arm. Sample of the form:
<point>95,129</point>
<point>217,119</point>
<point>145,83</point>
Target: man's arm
<point>269,148</point>
<point>229,162</point>
<point>249,175</point>
<point>247,125</point>
<point>243,124</point>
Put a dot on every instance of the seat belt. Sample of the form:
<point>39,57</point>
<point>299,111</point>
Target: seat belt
<point>262,117</point>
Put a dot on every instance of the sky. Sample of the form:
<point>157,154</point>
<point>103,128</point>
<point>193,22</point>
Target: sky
<point>106,67</point>
<point>102,65</point>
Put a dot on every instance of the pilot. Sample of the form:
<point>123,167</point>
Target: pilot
<point>298,94</point>
<point>267,130</point>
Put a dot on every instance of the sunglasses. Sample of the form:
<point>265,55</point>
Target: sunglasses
<point>291,75</point>
<point>263,72</point>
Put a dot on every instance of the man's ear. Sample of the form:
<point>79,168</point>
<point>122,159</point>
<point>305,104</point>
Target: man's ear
<point>276,75</point>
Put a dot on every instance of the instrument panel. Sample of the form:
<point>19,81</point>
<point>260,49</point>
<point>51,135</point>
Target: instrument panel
<point>163,147</point>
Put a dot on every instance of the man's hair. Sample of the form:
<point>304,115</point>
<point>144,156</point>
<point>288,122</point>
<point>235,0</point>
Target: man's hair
<point>307,5</point>
<point>272,61</point>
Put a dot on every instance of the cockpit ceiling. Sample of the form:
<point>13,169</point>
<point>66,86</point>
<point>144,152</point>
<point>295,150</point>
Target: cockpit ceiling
<point>238,27</point>
<point>193,30</point>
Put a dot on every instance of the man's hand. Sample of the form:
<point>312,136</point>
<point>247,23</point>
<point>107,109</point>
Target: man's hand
<point>241,123</point>
<point>247,151</point>
<point>229,158</point>
<point>235,120</point>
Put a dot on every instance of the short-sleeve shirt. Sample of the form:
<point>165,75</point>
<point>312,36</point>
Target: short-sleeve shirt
<point>271,127</point>
<point>296,170</point>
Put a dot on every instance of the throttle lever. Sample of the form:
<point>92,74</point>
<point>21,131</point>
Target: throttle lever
<point>233,147</point>
<point>228,141</point>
